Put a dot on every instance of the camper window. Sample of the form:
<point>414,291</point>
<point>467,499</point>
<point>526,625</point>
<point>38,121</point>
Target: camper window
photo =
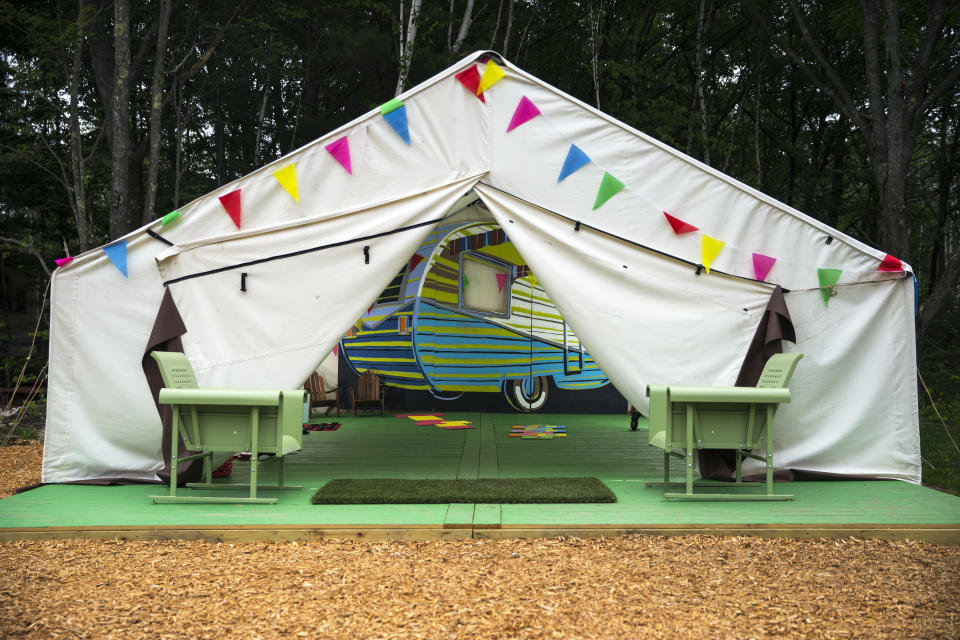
<point>394,289</point>
<point>484,284</point>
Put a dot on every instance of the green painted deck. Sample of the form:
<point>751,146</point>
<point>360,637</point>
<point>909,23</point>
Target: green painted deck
<point>599,446</point>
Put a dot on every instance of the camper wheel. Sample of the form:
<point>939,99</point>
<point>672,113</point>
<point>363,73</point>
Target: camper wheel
<point>527,395</point>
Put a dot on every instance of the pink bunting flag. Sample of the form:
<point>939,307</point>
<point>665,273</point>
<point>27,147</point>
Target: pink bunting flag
<point>762,265</point>
<point>501,281</point>
<point>679,226</point>
<point>231,204</point>
<point>470,78</point>
<point>340,150</point>
<point>890,263</point>
<point>336,350</point>
<point>62,262</point>
<point>524,112</point>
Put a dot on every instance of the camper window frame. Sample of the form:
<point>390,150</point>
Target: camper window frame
<point>494,262</point>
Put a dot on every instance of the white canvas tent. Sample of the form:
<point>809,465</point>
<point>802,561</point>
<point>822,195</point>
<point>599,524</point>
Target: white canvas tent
<point>264,303</point>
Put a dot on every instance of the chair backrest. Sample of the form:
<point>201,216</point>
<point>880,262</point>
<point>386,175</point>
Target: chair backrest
<point>778,371</point>
<point>368,386</point>
<point>175,370</point>
<point>314,386</point>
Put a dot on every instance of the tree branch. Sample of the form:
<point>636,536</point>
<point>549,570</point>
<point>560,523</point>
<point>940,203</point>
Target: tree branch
<point>29,248</point>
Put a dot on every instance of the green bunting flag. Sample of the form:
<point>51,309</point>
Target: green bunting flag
<point>828,278</point>
<point>609,187</point>
<point>170,217</point>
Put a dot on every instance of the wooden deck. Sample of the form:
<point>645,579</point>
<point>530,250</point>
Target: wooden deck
<point>599,446</point>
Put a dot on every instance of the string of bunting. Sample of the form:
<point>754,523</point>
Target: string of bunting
<point>394,113</point>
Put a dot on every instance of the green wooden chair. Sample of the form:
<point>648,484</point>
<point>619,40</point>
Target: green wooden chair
<point>227,421</point>
<point>683,419</point>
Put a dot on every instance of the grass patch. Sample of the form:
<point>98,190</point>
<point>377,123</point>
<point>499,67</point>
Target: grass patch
<point>941,462</point>
<point>483,490</point>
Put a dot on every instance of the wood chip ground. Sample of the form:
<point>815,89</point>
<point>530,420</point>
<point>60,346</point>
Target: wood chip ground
<point>699,587</point>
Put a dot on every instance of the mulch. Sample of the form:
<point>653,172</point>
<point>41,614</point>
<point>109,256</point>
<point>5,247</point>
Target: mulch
<point>700,587</point>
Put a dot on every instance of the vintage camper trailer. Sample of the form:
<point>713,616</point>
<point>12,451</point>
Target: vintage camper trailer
<point>467,315</point>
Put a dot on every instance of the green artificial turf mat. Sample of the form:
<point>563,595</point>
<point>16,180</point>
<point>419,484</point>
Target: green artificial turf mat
<point>476,490</point>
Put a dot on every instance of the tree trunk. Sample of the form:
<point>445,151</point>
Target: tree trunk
<point>465,24</point>
<point>156,113</point>
<point>120,219</point>
<point>80,207</point>
<point>702,27</point>
<point>406,43</point>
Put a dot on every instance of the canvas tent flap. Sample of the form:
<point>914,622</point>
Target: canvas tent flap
<point>305,286</point>
<point>644,317</point>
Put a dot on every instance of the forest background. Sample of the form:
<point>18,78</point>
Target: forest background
<point>115,112</point>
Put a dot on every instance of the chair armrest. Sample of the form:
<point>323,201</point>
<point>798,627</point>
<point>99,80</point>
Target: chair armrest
<point>250,397</point>
<point>728,394</point>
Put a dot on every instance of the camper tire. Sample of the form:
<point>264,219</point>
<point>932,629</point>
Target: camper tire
<point>521,400</point>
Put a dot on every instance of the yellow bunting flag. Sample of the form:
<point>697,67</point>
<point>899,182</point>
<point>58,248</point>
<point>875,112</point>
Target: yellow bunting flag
<point>287,177</point>
<point>491,75</point>
<point>709,248</point>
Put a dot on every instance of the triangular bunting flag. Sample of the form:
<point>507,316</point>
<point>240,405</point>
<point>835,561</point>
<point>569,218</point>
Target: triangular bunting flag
<point>398,120</point>
<point>827,278</point>
<point>117,253</point>
<point>502,281</point>
<point>466,282</point>
<point>609,187</point>
<point>415,260</point>
<point>336,350</point>
<point>524,112</point>
<point>679,226</point>
<point>709,249</point>
<point>491,75</point>
<point>62,262</point>
<point>762,265</point>
<point>231,203</point>
<point>287,177</point>
<point>470,78</point>
<point>890,263</point>
<point>340,150</point>
<point>576,159</point>
<point>170,217</point>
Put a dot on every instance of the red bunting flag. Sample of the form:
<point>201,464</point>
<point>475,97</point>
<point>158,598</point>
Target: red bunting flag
<point>470,78</point>
<point>679,226</point>
<point>415,260</point>
<point>231,204</point>
<point>890,263</point>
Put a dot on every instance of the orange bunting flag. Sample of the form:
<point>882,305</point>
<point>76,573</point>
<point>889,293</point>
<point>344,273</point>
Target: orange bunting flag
<point>709,249</point>
<point>470,78</point>
<point>231,204</point>
<point>679,226</point>
<point>287,177</point>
